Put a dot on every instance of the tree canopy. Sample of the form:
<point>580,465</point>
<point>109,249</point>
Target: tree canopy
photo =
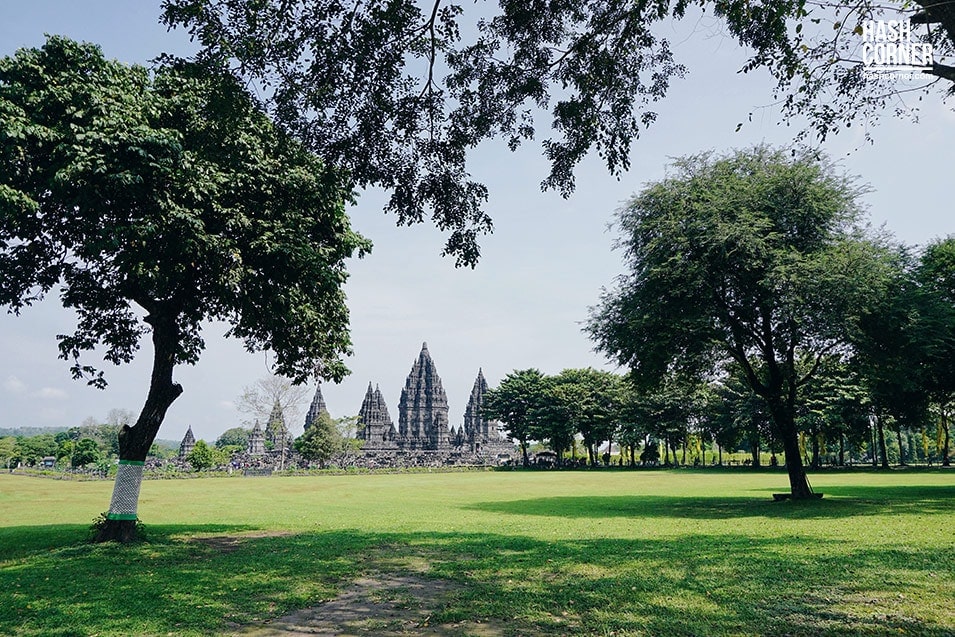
<point>515,402</point>
<point>233,437</point>
<point>151,202</point>
<point>202,456</point>
<point>322,441</point>
<point>399,91</point>
<point>752,257</point>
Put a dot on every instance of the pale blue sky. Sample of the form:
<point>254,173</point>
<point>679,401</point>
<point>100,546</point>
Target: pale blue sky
<point>540,270</point>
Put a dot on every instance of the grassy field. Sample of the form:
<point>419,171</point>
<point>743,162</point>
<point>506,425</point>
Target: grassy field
<point>592,553</point>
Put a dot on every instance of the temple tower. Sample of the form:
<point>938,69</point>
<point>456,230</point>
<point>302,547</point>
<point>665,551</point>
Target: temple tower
<point>474,424</point>
<point>477,428</point>
<point>376,427</point>
<point>317,407</point>
<point>187,445</point>
<point>423,408</point>
<point>275,430</point>
<point>256,441</point>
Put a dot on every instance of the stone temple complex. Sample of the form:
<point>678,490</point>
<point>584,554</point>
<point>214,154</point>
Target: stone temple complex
<point>423,435</point>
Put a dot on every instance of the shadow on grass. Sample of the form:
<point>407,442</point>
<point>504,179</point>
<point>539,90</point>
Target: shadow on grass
<point>839,502</point>
<point>22,541</point>
<point>689,585</point>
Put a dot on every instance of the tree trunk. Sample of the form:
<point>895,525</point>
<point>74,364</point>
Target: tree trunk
<point>842,450</point>
<point>945,461</point>
<point>135,441</point>
<point>882,448</point>
<point>898,437</point>
<point>815,449</point>
<point>523,444</point>
<point>873,442</point>
<point>784,419</point>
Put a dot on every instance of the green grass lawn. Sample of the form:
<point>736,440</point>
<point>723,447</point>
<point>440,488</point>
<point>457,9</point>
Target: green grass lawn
<point>594,553</point>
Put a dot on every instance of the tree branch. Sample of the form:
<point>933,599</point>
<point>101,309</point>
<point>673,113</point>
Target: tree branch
<point>943,71</point>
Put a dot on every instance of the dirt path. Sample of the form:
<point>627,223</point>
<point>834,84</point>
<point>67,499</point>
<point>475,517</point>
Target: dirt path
<point>381,605</point>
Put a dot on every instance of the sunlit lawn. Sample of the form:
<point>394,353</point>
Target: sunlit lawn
<point>605,552</point>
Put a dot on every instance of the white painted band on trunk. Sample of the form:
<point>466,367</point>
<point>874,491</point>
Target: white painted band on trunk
<point>126,490</point>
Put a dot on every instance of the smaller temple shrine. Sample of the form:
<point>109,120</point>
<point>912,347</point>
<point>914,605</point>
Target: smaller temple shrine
<point>187,445</point>
<point>256,441</point>
<point>377,430</point>
<point>477,431</point>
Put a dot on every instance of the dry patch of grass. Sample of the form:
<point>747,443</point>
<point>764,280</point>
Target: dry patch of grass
<point>385,605</point>
<point>230,543</point>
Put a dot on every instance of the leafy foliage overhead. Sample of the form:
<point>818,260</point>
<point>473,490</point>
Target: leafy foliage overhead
<point>168,194</point>
<point>399,91</point>
<point>361,85</point>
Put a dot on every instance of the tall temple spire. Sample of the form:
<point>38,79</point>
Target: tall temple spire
<point>317,407</point>
<point>423,408</point>
<point>276,431</point>
<point>476,426</point>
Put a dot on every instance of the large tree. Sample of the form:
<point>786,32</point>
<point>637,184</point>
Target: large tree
<point>936,273</point>
<point>906,342</point>
<point>324,440</point>
<point>151,202</point>
<point>398,91</point>
<point>585,401</point>
<point>553,418</point>
<point>592,400</point>
<point>753,257</point>
<point>516,402</point>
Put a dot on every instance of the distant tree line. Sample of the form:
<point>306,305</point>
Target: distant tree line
<point>269,400</point>
<point>93,444</point>
<point>581,414</point>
